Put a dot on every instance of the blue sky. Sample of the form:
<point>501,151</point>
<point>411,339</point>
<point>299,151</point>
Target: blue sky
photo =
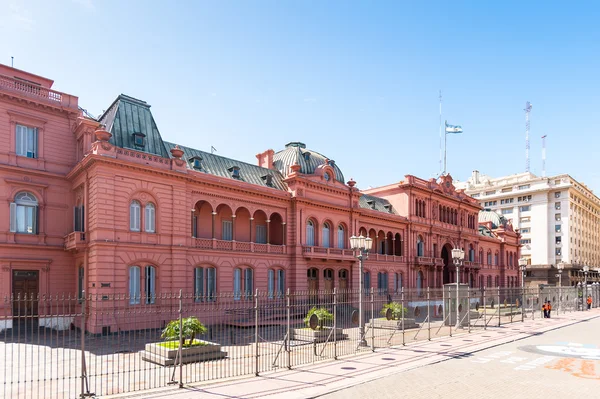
<point>356,81</point>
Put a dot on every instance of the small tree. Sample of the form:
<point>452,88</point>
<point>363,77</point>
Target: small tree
<point>191,327</point>
<point>322,314</point>
<point>398,311</point>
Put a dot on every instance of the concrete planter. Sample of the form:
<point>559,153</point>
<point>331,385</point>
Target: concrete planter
<point>318,335</point>
<point>166,357</point>
<point>393,324</point>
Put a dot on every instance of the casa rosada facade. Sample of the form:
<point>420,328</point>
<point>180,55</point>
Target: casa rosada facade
<point>107,207</point>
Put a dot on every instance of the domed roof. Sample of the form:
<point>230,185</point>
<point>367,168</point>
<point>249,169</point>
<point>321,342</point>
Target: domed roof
<point>494,217</point>
<point>296,153</point>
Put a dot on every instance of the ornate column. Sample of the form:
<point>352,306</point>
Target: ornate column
<point>251,228</point>
<point>214,216</point>
<point>268,221</point>
<point>233,217</point>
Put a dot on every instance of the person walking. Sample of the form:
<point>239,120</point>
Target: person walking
<point>549,308</point>
<point>545,309</point>
<point>589,302</point>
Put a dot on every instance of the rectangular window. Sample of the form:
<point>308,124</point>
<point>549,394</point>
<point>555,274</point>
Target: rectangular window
<point>490,192</point>
<point>557,217</point>
<point>476,195</point>
<point>525,219</point>
<point>271,283</point>
<point>557,194</point>
<point>523,187</point>
<point>237,284</point>
<point>557,228</point>
<point>227,233</point>
<point>557,206</point>
<point>248,283</point>
<point>280,283</point>
<point>507,211</point>
<point>23,218</point>
<point>261,234</point>
<point>80,283</point>
<point>341,239</point>
<point>26,139</point>
<point>198,284</point>
<point>195,226</point>
<point>211,283</point>
<point>526,230</point>
<point>507,190</point>
<point>367,281</point>
<point>78,218</point>
<point>558,239</point>
<point>525,208</point>
<point>310,234</point>
<point>526,241</point>
<point>558,251</point>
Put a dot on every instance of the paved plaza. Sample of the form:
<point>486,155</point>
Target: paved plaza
<point>541,358</point>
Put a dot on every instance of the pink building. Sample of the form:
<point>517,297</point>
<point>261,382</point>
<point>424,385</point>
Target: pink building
<point>109,207</point>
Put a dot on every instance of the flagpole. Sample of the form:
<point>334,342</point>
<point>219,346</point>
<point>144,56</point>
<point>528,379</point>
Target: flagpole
<point>445,141</point>
<point>440,130</point>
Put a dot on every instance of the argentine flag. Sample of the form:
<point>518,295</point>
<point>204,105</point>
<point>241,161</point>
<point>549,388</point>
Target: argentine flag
<point>453,129</point>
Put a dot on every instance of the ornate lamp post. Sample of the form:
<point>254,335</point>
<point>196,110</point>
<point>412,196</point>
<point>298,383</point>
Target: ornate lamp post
<point>458,256</point>
<point>362,245</point>
<point>560,266</point>
<point>586,269</point>
<point>523,269</point>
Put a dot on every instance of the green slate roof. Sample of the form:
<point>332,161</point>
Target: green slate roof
<point>223,167</point>
<point>128,115</point>
<point>375,203</point>
<point>494,217</point>
<point>309,160</point>
<point>484,231</point>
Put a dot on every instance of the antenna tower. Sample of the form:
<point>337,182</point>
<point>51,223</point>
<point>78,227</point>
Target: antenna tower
<point>527,111</point>
<point>544,155</point>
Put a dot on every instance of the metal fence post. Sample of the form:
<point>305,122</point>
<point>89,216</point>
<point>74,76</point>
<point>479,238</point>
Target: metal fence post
<point>484,311</point>
<point>499,314</point>
<point>289,330</point>
<point>469,309</point>
<point>403,313</point>
<point>180,350</point>
<point>428,315</point>
<point>372,320</point>
<point>84,392</point>
<point>256,332</point>
<point>335,323</point>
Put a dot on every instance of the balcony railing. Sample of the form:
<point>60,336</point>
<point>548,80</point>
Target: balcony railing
<point>74,240</point>
<point>423,260</point>
<point>439,261</point>
<point>238,246</point>
<point>327,253</point>
<point>471,264</point>
<point>38,93</point>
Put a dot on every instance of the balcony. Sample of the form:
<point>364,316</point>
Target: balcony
<point>75,241</point>
<point>424,261</point>
<point>328,253</point>
<point>238,246</point>
<point>471,264</point>
<point>22,89</point>
<point>439,262</point>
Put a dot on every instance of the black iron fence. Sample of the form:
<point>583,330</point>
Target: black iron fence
<point>65,347</point>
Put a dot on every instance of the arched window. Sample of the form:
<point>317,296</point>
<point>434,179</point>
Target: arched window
<point>497,281</point>
<point>134,216</point>
<point>480,281</point>
<point>471,280</point>
<point>397,282</point>
<point>326,232</point>
<point>382,283</point>
<point>205,284</point>
<point>310,233</point>
<point>134,285</point>
<point>24,214</point>
<point>150,284</point>
<point>420,246</point>
<point>80,282</point>
<point>481,256</point>
<point>471,253</point>
<point>496,259</point>
<point>489,257</point>
<point>398,245</point>
<point>510,260</point>
<point>150,218</point>
<point>243,283</point>
<point>489,281</point>
<point>341,237</point>
<point>367,282</point>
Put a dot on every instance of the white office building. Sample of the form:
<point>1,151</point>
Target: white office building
<point>558,218</point>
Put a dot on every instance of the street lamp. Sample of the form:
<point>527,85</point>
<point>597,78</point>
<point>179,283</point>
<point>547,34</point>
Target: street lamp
<point>363,246</point>
<point>523,269</point>
<point>586,269</point>
<point>560,266</point>
<point>458,255</point>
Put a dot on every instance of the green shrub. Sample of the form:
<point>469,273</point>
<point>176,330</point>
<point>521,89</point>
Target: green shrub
<point>398,311</point>
<point>191,328</point>
<point>322,314</point>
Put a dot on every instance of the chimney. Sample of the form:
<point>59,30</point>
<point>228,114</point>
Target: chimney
<point>475,177</point>
<point>265,160</point>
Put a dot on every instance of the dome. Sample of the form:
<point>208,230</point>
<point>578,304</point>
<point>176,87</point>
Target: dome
<point>490,216</point>
<point>296,153</point>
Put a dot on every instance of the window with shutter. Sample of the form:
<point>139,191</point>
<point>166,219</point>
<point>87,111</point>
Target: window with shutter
<point>198,284</point>
<point>261,234</point>
<point>26,141</point>
<point>134,285</point>
<point>24,214</point>
<point>326,235</point>
<point>310,233</point>
<point>150,284</point>
<point>150,216</point>
<point>271,283</point>
<point>211,283</point>
<point>134,216</point>
<point>227,233</point>
<point>280,283</point>
<point>341,238</point>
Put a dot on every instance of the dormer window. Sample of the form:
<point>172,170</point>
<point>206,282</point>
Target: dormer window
<point>268,180</point>
<point>196,162</point>
<point>139,139</point>
<point>371,203</point>
<point>388,208</point>
<point>306,156</point>
<point>235,172</point>
<point>332,163</point>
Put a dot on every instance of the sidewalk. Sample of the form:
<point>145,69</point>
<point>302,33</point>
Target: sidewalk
<point>318,379</point>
